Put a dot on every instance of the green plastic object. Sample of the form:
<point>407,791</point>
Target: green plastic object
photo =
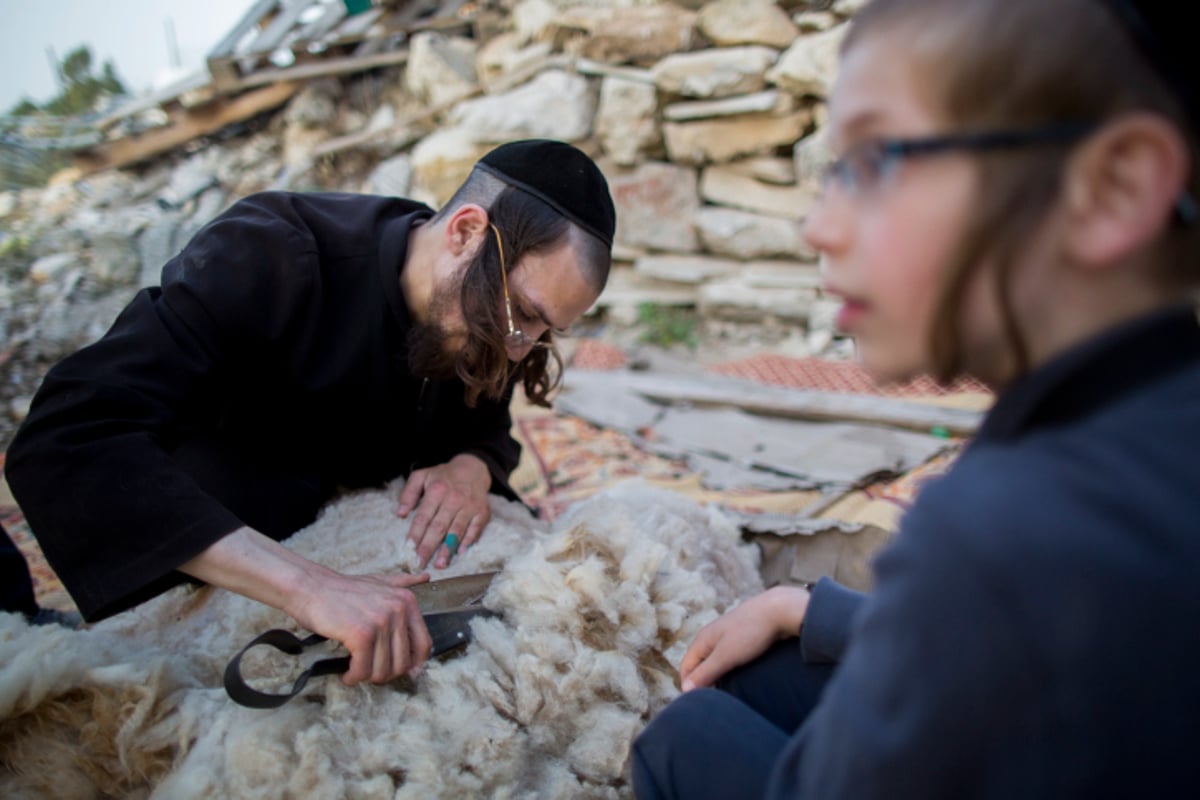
<point>356,6</point>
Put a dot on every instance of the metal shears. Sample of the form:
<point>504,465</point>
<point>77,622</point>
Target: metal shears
<point>447,606</point>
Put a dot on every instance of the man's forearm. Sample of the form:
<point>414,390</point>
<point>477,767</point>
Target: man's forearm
<point>253,565</point>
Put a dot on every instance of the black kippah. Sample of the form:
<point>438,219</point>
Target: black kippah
<point>560,175</point>
<point>1168,43</point>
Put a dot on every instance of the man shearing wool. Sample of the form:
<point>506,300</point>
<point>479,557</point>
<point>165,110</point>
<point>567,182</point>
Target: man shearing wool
<point>304,344</point>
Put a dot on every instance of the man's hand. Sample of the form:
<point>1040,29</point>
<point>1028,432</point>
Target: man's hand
<point>742,634</point>
<point>374,616</point>
<point>450,498</point>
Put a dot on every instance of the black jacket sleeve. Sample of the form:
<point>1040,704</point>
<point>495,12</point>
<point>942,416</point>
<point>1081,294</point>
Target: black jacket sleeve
<point>90,466</point>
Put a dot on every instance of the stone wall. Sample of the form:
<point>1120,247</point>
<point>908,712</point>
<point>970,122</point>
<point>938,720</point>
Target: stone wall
<point>705,116</point>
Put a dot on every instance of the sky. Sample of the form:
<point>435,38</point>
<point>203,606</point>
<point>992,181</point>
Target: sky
<point>133,34</point>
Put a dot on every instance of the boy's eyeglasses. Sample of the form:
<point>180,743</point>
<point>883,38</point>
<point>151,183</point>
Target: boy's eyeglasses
<point>870,163</point>
<point>516,338</point>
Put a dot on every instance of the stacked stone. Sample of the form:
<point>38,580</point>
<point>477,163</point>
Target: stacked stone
<point>706,118</point>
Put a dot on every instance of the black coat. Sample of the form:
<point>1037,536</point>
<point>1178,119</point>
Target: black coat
<point>266,373</point>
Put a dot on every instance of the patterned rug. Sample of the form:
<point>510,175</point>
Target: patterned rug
<point>836,376</point>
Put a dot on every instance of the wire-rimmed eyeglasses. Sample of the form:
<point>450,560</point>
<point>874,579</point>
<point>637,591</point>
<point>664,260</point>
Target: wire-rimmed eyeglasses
<point>516,338</point>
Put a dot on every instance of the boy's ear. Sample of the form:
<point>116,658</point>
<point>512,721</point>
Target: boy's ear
<point>1121,187</point>
<point>465,226</point>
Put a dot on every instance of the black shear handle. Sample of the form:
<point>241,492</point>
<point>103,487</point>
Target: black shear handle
<point>240,692</point>
<point>448,630</point>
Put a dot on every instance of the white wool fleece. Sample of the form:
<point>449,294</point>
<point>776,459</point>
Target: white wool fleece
<point>595,613</point>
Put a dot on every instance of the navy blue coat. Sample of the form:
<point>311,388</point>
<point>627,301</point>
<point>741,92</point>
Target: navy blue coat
<point>1034,631</point>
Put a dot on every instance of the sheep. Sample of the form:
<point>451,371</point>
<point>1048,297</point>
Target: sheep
<point>595,611</point>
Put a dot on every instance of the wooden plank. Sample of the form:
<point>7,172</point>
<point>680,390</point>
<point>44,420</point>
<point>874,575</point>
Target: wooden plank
<point>167,94</point>
<point>188,125</point>
<point>225,47</point>
<point>334,14</point>
<point>355,27</point>
<point>277,29</point>
<point>323,67</point>
<point>804,403</point>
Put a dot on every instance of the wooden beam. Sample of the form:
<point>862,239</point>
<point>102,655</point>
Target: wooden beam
<point>808,404</point>
<point>355,27</point>
<point>222,59</point>
<point>168,94</point>
<point>188,124</point>
<point>253,16</point>
<point>277,29</point>
<point>323,67</point>
<point>334,14</point>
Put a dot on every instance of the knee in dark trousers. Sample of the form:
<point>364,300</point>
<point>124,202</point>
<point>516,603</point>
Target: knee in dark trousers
<point>705,744</point>
<point>16,584</point>
<point>779,685</point>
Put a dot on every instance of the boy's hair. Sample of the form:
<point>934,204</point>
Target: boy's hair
<point>528,225</point>
<point>1004,64</point>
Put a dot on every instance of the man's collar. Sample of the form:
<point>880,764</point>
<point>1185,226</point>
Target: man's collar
<point>393,249</point>
<point>1098,372</point>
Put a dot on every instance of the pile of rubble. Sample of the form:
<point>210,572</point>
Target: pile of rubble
<point>705,117</point>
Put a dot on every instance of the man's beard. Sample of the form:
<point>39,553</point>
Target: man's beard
<point>431,353</point>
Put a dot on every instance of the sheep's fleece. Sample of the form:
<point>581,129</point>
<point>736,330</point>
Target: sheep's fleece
<point>596,611</point>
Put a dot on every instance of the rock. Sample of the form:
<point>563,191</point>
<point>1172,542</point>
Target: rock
<point>115,258</point>
<point>724,186</point>
<point>57,238</point>
<point>441,162</point>
<point>848,8</point>
<point>732,298</point>
<point>717,140</point>
<point>158,243</point>
<point>781,171</point>
<point>207,207</point>
<point>627,120</point>
<point>65,325</point>
<point>505,55</point>
<point>642,34</point>
<point>533,20</point>
<point>554,105</point>
<point>745,235</point>
<point>811,156</point>
<point>440,68</point>
<point>51,268</point>
<point>191,178</point>
<point>314,106</point>
<point>809,66</point>
<point>781,274</point>
<point>18,407</point>
<point>774,101</point>
<point>719,72</point>
<point>655,204</point>
<point>8,203</point>
<point>693,269</point>
<point>392,177</point>
<point>732,22</point>
<point>815,21</point>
